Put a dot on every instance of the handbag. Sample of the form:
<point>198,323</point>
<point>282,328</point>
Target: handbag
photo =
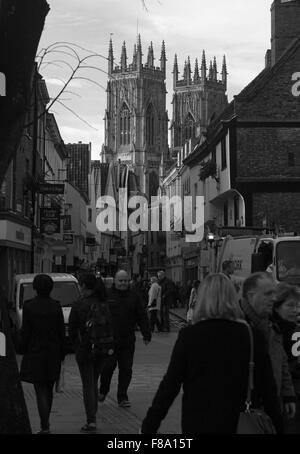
<point>253,421</point>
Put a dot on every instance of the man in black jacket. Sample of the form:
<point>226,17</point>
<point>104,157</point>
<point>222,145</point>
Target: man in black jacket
<point>127,310</point>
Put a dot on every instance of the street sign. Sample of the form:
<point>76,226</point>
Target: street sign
<point>50,220</point>
<point>68,238</point>
<point>51,188</point>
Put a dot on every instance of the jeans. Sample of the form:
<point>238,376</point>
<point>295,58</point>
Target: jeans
<point>165,318</point>
<point>154,320</point>
<point>44,397</point>
<point>124,358</point>
<point>90,372</point>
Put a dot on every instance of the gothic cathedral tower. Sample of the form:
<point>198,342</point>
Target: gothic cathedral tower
<point>198,98</point>
<point>136,120</point>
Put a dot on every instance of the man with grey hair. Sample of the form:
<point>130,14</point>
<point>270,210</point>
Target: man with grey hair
<point>258,297</point>
<point>127,310</point>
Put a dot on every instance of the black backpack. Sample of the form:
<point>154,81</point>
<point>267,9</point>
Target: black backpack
<point>99,331</point>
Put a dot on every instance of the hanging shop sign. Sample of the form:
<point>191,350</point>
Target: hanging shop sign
<point>50,220</point>
<point>49,188</point>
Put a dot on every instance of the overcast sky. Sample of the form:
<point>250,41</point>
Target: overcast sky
<point>240,29</point>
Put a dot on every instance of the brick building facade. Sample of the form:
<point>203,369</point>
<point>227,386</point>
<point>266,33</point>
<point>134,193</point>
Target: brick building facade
<point>261,133</point>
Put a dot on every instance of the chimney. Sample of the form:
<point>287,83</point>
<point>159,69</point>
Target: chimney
<point>285,26</point>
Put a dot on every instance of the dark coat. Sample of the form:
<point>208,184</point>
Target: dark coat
<point>127,310</point>
<point>167,292</point>
<point>77,325</point>
<point>43,340</point>
<point>210,360</point>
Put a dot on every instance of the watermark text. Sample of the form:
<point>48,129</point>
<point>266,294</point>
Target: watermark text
<point>163,214</point>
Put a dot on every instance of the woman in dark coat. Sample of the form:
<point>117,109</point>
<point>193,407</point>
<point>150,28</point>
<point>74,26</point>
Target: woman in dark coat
<point>210,361</point>
<point>43,345</point>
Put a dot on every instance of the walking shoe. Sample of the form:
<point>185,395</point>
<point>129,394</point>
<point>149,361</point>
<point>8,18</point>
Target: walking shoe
<point>44,432</point>
<point>101,397</point>
<point>89,428</point>
<point>124,403</point>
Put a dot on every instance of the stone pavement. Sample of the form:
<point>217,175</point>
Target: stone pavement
<point>149,367</point>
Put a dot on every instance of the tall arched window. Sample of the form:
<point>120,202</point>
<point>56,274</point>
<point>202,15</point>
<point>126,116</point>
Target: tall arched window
<point>124,125</point>
<point>189,127</point>
<point>150,125</point>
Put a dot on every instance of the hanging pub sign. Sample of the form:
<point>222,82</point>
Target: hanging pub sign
<point>49,188</point>
<point>50,220</point>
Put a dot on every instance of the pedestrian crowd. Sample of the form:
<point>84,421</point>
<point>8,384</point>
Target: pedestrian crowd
<point>234,354</point>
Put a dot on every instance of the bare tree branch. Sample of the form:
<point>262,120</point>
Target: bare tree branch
<point>90,80</point>
<point>76,115</point>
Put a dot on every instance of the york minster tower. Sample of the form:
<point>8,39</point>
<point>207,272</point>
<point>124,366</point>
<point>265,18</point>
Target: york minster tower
<point>198,98</point>
<point>136,120</point>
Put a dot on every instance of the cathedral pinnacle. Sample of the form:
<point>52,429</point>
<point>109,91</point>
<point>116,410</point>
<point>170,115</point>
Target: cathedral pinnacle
<point>110,57</point>
<point>203,68</point>
<point>124,57</point>
<point>211,71</point>
<point>215,70</point>
<point>175,72</point>
<point>224,72</point>
<point>139,53</point>
<point>189,70</point>
<point>163,59</point>
<point>203,63</point>
<point>150,59</point>
<point>134,58</point>
<point>175,67</point>
<point>196,72</point>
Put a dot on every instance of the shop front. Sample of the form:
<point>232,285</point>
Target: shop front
<point>15,255</point>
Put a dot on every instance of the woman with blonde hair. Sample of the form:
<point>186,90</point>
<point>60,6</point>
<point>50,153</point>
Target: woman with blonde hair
<point>210,360</point>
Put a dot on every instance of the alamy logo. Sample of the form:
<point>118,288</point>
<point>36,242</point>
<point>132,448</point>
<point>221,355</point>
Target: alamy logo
<point>2,84</point>
<point>296,86</point>
<point>172,214</point>
<point>296,346</point>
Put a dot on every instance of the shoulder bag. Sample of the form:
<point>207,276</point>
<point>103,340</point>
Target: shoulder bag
<point>253,421</point>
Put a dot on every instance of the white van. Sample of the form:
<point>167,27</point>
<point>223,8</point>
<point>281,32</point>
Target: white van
<point>284,257</point>
<point>65,290</point>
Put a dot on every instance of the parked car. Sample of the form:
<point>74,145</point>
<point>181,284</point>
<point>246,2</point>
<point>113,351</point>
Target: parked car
<point>66,291</point>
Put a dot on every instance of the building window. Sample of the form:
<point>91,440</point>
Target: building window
<point>291,159</point>
<point>90,215</point>
<point>189,127</point>
<point>225,214</point>
<point>223,154</point>
<point>124,125</point>
<point>150,126</point>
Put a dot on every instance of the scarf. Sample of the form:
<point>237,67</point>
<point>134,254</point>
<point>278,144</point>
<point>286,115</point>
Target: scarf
<point>262,324</point>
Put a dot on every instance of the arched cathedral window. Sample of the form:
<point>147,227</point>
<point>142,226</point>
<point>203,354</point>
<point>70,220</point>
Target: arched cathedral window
<point>189,127</point>
<point>124,125</point>
<point>150,125</point>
